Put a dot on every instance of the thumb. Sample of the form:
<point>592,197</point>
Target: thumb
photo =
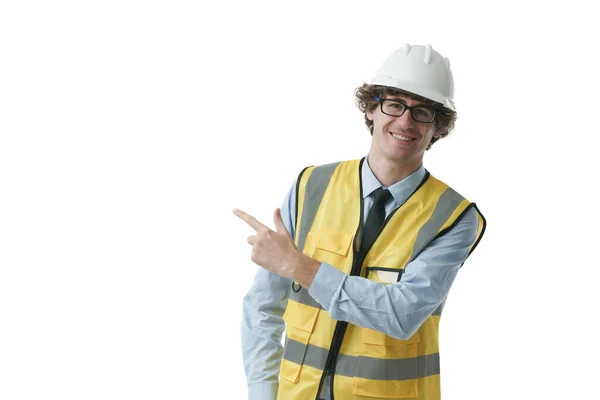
<point>279,222</point>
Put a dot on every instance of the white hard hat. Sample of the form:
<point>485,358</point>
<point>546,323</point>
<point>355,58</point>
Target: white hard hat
<point>419,70</point>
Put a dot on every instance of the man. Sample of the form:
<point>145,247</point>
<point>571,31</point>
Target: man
<point>364,255</point>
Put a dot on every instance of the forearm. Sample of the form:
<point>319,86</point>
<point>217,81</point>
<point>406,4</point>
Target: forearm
<point>262,329</point>
<point>398,309</point>
<point>261,348</point>
<point>394,309</point>
<point>262,357</point>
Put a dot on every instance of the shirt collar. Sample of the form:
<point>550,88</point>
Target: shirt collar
<point>400,190</point>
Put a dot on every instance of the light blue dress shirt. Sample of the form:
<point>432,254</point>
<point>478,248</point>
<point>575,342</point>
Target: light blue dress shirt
<point>397,310</point>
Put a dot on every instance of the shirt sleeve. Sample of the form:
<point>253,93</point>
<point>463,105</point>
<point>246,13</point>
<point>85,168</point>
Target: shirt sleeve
<point>263,326</point>
<point>399,309</point>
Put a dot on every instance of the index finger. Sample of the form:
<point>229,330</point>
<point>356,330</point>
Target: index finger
<point>250,220</point>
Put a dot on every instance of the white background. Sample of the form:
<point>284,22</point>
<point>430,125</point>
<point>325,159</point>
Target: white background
<point>130,130</point>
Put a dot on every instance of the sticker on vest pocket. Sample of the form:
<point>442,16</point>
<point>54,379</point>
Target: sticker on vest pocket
<point>384,275</point>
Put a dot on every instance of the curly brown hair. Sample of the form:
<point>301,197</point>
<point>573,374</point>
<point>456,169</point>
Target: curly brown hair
<point>444,119</point>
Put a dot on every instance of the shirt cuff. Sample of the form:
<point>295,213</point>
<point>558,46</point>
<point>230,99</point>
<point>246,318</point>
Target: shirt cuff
<point>263,391</point>
<point>326,283</point>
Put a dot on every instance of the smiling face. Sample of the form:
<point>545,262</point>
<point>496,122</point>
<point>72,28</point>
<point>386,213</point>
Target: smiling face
<point>400,140</point>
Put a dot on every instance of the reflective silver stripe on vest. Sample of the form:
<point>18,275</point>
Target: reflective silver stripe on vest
<point>313,194</point>
<point>364,367</point>
<point>444,208</point>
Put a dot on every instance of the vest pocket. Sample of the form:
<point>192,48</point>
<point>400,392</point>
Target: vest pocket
<point>329,246</point>
<point>384,275</point>
<point>387,367</point>
<point>300,322</point>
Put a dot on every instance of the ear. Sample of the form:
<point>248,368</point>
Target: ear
<point>369,114</point>
<point>437,133</point>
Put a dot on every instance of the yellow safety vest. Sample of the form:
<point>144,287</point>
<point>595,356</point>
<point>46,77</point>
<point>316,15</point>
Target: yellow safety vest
<point>364,363</point>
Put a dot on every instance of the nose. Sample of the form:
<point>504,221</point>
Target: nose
<point>406,118</point>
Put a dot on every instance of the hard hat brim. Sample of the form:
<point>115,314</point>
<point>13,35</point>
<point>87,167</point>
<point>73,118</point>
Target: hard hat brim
<point>410,87</point>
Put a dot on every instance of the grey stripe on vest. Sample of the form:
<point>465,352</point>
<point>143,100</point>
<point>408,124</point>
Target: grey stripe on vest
<point>398,369</point>
<point>313,194</point>
<point>364,367</point>
<point>444,208</point>
<point>303,297</point>
<point>294,350</point>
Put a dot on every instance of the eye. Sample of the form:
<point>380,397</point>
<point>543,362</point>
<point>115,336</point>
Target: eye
<point>424,113</point>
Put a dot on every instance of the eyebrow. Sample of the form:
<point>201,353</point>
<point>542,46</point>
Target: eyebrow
<point>419,104</point>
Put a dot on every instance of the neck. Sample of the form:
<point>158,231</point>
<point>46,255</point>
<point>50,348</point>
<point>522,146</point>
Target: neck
<point>389,172</point>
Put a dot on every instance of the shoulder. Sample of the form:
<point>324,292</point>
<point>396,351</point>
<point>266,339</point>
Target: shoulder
<point>467,214</point>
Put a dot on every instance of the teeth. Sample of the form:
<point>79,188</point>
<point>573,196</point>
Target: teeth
<point>406,139</point>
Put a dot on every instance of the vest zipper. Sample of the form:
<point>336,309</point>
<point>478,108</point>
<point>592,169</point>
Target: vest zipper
<point>338,335</point>
<point>341,326</point>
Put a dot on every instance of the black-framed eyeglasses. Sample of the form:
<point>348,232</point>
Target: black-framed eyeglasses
<point>395,108</point>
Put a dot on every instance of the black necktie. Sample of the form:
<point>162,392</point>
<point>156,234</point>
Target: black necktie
<point>374,219</point>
